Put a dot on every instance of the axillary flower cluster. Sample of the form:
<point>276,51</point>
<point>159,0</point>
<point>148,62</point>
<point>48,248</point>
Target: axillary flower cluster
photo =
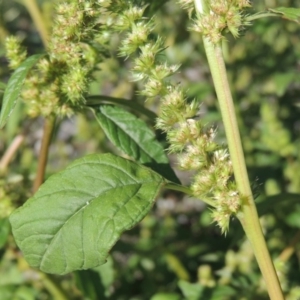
<point>214,17</point>
<point>188,137</point>
<point>59,81</point>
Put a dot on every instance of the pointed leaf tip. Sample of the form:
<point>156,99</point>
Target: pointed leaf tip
<point>14,87</point>
<point>133,137</point>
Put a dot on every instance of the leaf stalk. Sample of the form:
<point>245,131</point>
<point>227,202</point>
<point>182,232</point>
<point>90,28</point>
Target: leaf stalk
<point>96,100</point>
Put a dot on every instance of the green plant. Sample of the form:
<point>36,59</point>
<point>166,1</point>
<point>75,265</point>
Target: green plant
<point>78,214</point>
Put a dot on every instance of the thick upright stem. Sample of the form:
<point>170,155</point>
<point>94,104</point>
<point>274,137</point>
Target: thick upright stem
<point>219,75</point>
<point>42,162</point>
<point>248,215</point>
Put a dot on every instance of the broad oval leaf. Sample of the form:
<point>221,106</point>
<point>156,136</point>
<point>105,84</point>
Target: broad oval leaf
<point>77,215</point>
<point>132,136</point>
<point>14,87</point>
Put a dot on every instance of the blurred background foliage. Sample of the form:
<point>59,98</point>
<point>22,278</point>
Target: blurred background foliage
<point>175,253</point>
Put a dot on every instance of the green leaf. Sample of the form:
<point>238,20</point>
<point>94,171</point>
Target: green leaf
<point>4,231</point>
<point>14,87</point>
<point>2,86</point>
<point>289,13</point>
<point>132,136</point>
<point>277,202</point>
<point>191,291</point>
<point>77,215</point>
<point>292,219</point>
<point>165,296</point>
<point>7,291</point>
<point>221,293</point>
<point>95,283</point>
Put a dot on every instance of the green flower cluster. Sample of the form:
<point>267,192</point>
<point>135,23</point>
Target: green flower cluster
<point>15,53</point>
<point>58,83</point>
<point>216,16</point>
<point>188,138</point>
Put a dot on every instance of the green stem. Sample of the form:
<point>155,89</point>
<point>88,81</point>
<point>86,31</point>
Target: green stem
<point>179,188</point>
<point>248,215</point>
<point>290,249</point>
<point>187,190</point>
<point>261,15</point>
<point>96,100</point>
<point>43,157</point>
<point>52,287</point>
<point>37,18</point>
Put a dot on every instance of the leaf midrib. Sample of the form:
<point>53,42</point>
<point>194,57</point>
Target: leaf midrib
<point>79,210</point>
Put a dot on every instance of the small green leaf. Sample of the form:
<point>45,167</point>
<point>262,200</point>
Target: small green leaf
<point>77,215</point>
<point>14,87</point>
<point>292,219</point>
<point>220,292</point>
<point>289,13</point>
<point>277,202</point>
<point>132,136</point>
<point>191,291</point>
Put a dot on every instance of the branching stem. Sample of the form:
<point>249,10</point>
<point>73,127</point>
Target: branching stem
<point>42,162</point>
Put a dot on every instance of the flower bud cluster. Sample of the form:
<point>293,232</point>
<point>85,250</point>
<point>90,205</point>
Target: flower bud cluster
<point>16,54</point>
<point>188,5</point>
<point>216,16</point>
<point>58,83</point>
<point>188,138</point>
